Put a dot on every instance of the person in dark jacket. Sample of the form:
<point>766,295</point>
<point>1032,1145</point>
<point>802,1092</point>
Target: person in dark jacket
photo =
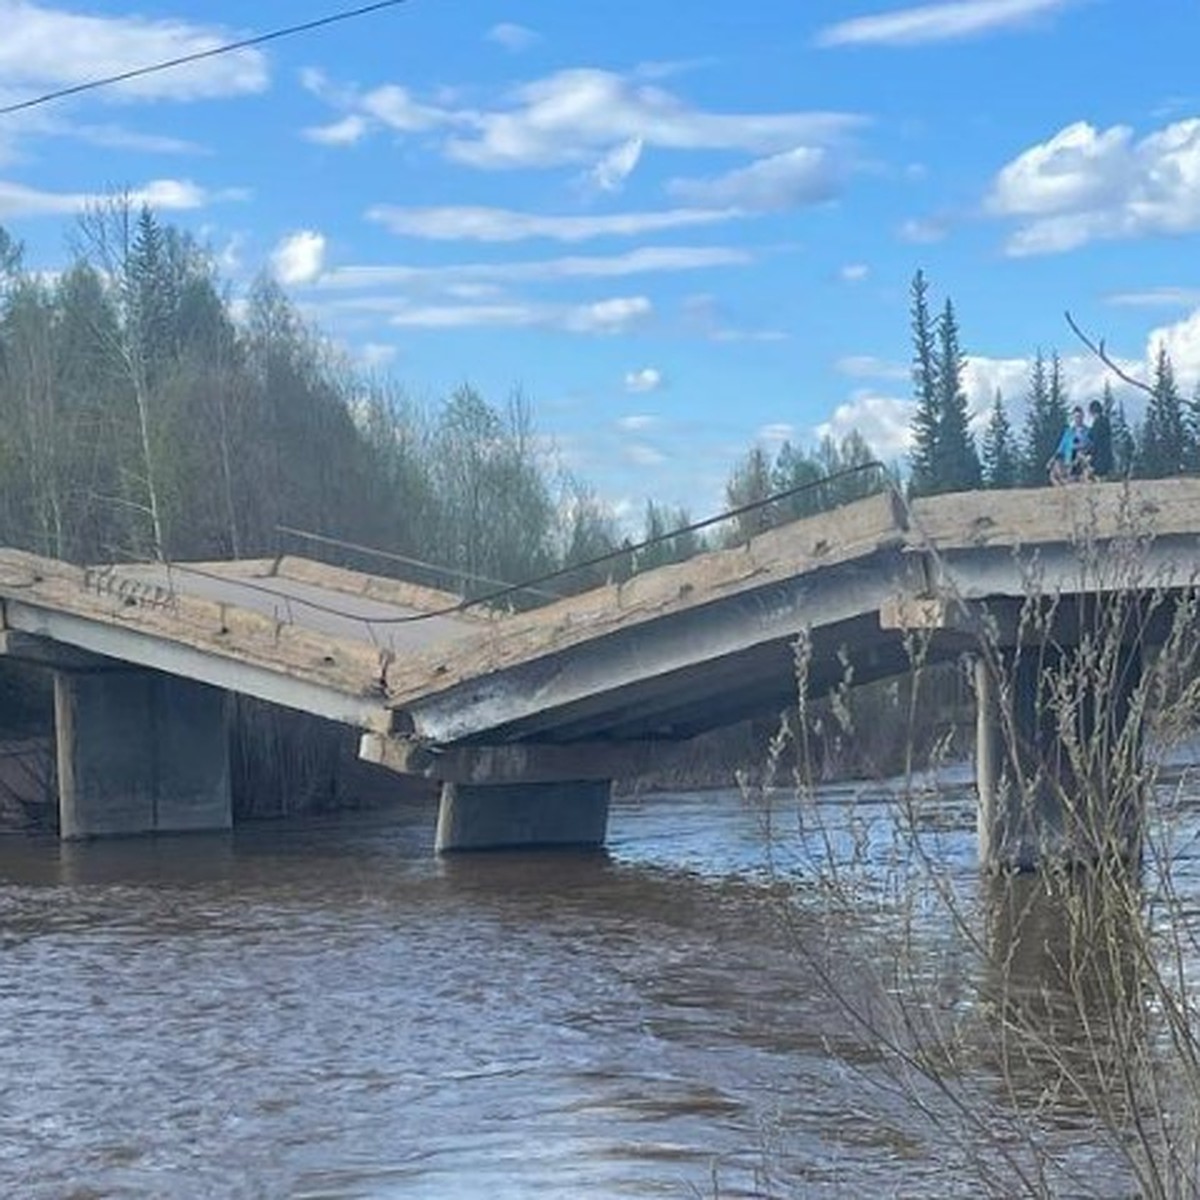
<point>1100,452</point>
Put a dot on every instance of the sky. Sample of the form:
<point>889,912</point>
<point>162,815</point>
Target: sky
<point>677,230</point>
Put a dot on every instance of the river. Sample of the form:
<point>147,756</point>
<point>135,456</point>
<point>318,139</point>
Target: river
<point>319,1008</point>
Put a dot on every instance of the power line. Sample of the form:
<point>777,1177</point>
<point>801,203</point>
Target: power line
<point>199,55</point>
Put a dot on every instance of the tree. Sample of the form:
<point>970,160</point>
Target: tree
<point>1045,419</point>
<point>750,483</point>
<point>1000,460</point>
<point>956,462</point>
<point>1164,444</point>
<point>1122,436</point>
<point>926,422</point>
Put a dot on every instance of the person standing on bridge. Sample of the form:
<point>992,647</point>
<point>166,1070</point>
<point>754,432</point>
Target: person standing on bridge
<point>1100,454</point>
<point>1070,460</point>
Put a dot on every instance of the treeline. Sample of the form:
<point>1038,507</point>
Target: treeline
<point>146,415</point>
<point>945,457</point>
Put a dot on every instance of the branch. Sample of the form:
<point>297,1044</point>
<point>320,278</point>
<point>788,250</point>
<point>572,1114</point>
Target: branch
<point>1097,348</point>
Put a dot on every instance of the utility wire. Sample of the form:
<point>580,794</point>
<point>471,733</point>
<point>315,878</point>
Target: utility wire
<point>200,55</point>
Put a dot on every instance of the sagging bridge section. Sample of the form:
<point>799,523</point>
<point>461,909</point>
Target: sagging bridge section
<point>526,718</point>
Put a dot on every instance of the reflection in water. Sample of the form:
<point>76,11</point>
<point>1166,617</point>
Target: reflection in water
<point>324,1009</point>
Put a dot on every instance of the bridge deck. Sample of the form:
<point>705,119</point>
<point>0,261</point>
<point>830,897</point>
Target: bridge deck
<point>664,655</point>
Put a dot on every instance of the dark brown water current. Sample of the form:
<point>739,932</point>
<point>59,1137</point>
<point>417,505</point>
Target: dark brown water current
<point>320,1008</point>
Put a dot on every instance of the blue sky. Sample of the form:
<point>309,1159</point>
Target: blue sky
<point>676,228</point>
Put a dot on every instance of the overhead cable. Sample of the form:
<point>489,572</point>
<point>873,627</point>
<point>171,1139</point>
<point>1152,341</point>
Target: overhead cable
<point>200,55</point>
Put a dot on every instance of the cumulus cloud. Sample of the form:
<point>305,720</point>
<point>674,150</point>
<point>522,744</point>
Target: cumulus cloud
<point>350,129</point>
<point>854,272</point>
<point>482,224</point>
<point>1182,342</point>
<point>648,379</point>
<point>790,179</point>
<point>1085,185</point>
<point>299,258</point>
<point>937,22</point>
<point>882,419</point>
<point>46,47</point>
<point>513,38</point>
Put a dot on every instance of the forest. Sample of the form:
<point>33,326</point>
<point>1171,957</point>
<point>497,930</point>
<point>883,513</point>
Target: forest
<point>144,414</point>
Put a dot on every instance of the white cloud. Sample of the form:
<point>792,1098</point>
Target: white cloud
<point>854,273</point>
<point>776,433</point>
<point>467,279</point>
<point>637,422</point>
<point>802,175</point>
<point>1084,185</point>
<point>395,108</point>
<point>17,200</point>
<point>618,315</point>
<point>513,38</point>
<point>1164,297</point>
<point>882,419</point>
<point>299,258</point>
<point>350,129</point>
<point>648,379</point>
<point>923,231</point>
<point>481,224</point>
<point>1182,342</point>
<point>610,173</point>
<point>114,137</point>
<point>570,115</point>
<point>937,22</point>
<point>47,47</point>
<point>374,355</point>
<point>867,366</point>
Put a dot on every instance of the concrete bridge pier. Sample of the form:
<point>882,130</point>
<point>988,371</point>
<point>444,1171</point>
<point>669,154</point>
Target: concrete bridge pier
<point>139,752</point>
<point>1057,752</point>
<point>499,816</point>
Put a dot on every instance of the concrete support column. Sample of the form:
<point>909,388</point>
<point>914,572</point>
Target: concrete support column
<point>139,752</point>
<point>1056,760</point>
<point>520,815</point>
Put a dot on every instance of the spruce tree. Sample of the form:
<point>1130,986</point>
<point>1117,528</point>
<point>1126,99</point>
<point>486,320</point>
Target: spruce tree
<point>1045,420</point>
<point>956,462</point>
<point>1000,463</point>
<point>1122,435</point>
<point>926,419</point>
<point>1163,449</point>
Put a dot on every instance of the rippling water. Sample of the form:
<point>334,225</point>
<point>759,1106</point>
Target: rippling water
<point>323,1009</point>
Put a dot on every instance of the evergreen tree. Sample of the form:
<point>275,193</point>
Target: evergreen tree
<point>749,484</point>
<point>1122,435</point>
<point>1164,444</point>
<point>1000,461</point>
<point>1045,420</point>
<point>956,462</point>
<point>926,420</point>
<point>1191,422</point>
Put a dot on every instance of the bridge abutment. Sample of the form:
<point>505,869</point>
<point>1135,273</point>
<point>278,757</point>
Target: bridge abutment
<point>1058,749</point>
<point>522,815</point>
<point>139,752</point>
